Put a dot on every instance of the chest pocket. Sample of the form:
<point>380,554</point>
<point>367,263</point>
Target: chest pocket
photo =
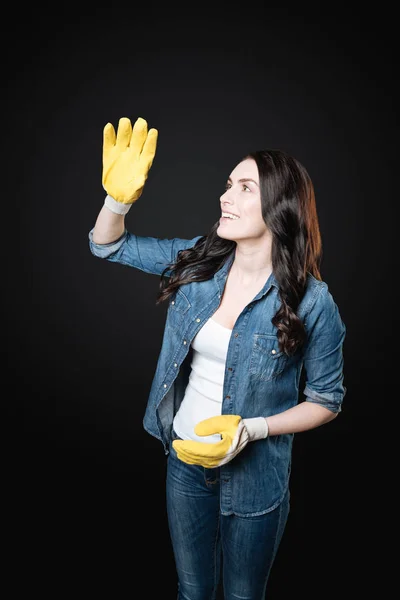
<point>266,361</point>
<point>177,310</point>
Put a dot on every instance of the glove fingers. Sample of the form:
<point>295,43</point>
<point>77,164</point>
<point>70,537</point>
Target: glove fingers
<point>189,460</point>
<point>138,137</point>
<point>201,449</point>
<point>202,461</point>
<point>124,133</point>
<point>149,149</point>
<point>109,137</point>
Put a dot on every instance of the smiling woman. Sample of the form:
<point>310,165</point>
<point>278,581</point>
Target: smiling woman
<point>248,314</point>
<point>245,188</point>
<point>242,202</point>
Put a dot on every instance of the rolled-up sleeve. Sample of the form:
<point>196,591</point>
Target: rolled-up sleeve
<point>149,254</point>
<point>323,354</point>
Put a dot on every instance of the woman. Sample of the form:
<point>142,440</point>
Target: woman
<point>248,315</point>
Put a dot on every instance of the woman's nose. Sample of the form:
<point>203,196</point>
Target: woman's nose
<point>225,197</point>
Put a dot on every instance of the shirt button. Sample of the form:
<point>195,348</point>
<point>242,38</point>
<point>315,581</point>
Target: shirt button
<point>184,341</point>
<point>165,385</point>
<point>236,334</point>
<point>198,320</point>
<point>175,364</point>
<point>229,368</point>
<point>273,351</point>
<point>173,302</point>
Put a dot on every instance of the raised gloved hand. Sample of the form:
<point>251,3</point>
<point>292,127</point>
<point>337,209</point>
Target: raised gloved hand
<point>235,432</point>
<point>127,159</point>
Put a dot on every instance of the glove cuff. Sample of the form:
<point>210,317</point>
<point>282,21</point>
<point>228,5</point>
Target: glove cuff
<point>116,207</point>
<point>257,428</point>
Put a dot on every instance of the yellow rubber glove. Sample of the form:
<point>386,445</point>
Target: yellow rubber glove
<point>127,159</point>
<point>235,433</point>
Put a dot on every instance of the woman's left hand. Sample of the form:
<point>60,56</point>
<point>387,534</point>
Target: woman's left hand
<point>235,433</point>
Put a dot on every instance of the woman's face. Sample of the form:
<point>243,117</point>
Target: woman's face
<point>242,198</point>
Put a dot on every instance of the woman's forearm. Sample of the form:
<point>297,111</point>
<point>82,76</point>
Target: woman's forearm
<point>109,226</point>
<point>304,416</point>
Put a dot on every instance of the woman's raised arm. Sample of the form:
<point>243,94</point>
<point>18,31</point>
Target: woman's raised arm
<point>127,159</point>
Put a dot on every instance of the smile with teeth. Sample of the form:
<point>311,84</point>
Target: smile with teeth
<point>230,216</point>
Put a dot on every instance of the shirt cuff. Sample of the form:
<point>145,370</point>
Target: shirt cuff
<point>105,250</point>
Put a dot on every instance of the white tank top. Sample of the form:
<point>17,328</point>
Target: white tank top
<point>203,394</point>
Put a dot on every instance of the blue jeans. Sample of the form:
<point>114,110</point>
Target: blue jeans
<point>206,543</point>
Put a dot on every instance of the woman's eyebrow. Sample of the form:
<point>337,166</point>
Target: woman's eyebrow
<point>244,179</point>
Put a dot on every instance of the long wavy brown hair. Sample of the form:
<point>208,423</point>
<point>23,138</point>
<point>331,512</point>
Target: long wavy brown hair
<point>289,210</point>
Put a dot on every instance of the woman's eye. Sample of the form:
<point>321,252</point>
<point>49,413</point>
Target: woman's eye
<point>244,187</point>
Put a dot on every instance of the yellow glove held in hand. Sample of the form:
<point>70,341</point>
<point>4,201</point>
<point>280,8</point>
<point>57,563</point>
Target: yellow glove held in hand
<point>235,432</point>
<point>127,159</point>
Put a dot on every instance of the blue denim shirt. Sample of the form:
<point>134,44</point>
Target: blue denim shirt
<point>260,380</point>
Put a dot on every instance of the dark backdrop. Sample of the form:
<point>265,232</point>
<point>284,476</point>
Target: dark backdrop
<point>85,481</point>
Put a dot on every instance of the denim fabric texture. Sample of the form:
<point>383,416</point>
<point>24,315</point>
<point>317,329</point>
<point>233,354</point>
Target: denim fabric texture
<point>207,543</point>
<point>260,380</point>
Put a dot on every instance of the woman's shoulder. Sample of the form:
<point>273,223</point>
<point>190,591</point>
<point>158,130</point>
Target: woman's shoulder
<point>314,286</point>
<point>320,312</point>
<point>317,296</point>
<point>319,302</point>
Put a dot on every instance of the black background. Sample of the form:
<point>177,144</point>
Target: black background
<point>84,480</point>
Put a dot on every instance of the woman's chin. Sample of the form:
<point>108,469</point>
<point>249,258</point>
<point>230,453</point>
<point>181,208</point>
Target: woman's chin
<point>222,233</point>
